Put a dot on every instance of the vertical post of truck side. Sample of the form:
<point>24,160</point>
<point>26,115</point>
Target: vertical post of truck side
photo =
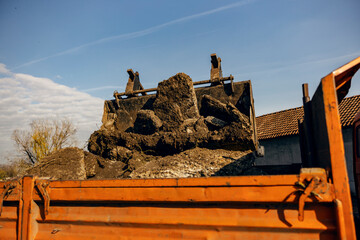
<point>337,152</point>
<point>28,210</point>
<point>327,142</point>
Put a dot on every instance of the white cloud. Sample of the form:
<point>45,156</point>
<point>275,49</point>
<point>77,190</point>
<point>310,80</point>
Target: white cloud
<point>24,98</point>
<point>3,69</point>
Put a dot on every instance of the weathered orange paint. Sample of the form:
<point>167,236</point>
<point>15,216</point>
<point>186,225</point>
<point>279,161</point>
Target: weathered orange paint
<point>278,180</point>
<point>28,211</point>
<point>335,138</point>
<point>340,219</point>
<point>224,207</point>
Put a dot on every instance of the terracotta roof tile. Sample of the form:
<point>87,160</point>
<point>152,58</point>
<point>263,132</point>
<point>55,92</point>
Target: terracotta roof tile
<point>285,122</point>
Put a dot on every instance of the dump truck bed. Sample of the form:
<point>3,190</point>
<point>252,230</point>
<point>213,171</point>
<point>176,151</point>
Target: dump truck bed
<point>256,207</point>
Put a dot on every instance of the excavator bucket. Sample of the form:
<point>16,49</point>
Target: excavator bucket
<point>120,113</point>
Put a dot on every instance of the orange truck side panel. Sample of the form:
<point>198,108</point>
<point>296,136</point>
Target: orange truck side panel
<point>258,207</point>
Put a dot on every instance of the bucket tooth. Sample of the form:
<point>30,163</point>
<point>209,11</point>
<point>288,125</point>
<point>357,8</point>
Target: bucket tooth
<point>215,72</point>
<point>133,84</point>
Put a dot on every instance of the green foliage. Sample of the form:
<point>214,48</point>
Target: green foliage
<point>44,138</point>
<point>3,173</point>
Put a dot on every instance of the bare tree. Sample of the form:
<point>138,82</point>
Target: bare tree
<point>44,137</point>
<point>14,167</point>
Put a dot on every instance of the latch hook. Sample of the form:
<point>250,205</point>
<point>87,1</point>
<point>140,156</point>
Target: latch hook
<point>314,182</point>
<point>43,187</point>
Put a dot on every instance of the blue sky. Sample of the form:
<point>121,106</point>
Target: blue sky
<point>63,58</point>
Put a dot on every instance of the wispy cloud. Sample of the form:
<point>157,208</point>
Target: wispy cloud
<point>99,88</point>
<point>24,98</point>
<point>140,33</point>
<point>288,65</point>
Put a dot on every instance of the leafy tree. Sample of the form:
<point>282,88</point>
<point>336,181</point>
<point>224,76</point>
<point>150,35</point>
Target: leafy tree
<point>44,137</point>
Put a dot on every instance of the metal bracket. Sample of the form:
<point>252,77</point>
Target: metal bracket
<point>133,84</point>
<point>8,187</point>
<point>43,187</point>
<point>313,182</point>
<point>216,71</point>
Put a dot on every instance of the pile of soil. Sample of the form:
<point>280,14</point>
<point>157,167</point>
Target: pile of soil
<point>171,138</point>
<point>77,164</point>
<point>197,162</point>
<point>174,124</point>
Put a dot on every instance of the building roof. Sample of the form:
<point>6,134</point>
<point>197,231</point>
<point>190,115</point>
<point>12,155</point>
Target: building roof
<point>285,123</point>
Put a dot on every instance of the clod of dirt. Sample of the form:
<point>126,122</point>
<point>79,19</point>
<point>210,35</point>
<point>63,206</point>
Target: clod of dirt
<point>226,112</point>
<point>176,101</point>
<point>64,164</point>
<point>147,122</point>
<point>214,123</point>
<point>76,164</point>
<point>119,153</point>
